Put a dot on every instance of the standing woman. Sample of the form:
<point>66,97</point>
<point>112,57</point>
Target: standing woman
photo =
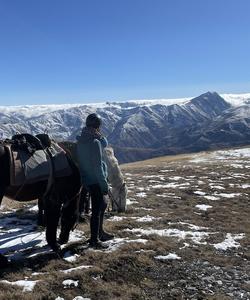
<point>93,170</point>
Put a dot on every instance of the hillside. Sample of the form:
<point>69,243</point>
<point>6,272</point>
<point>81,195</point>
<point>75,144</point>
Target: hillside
<point>185,235</point>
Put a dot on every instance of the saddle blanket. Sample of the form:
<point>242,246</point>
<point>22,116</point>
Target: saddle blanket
<point>26,168</point>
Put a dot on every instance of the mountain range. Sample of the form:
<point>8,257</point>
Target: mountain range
<point>143,129</point>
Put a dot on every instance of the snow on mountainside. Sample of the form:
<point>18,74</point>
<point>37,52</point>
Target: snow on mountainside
<point>237,99</point>
<point>37,110</point>
<point>143,128</point>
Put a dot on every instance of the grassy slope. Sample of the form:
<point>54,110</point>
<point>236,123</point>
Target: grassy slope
<point>128,273</point>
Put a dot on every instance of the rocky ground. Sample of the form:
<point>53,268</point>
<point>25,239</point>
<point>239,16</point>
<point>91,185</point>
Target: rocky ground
<point>185,235</point>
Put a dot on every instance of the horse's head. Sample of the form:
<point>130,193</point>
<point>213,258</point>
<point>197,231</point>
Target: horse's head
<point>119,198</point>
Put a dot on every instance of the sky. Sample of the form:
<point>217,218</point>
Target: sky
<point>82,51</point>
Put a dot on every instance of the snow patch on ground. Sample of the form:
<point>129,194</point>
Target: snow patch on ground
<point>195,236</point>
<point>170,256</point>
<point>75,269</point>
<point>230,241</point>
<point>170,185</point>
<point>200,193</point>
<point>232,195</point>
<point>213,198</point>
<point>70,283</point>
<point>27,285</point>
<point>203,207</point>
<point>118,242</point>
<point>68,256</point>
<point>141,195</point>
<point>147,219</point>
<point>131,201</point>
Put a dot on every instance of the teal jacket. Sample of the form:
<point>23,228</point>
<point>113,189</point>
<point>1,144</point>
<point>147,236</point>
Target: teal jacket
<point>93,169</point>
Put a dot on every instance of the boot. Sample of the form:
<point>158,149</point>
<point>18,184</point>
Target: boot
<point>97,245</point>
<point>105,236</point>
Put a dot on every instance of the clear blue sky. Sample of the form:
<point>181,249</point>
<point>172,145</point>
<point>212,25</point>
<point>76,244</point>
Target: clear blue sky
<point>76,51</point>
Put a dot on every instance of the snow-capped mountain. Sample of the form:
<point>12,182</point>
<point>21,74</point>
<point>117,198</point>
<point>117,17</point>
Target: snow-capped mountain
<point>144,128</point>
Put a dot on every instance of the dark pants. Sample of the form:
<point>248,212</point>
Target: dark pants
<point>99,205</point>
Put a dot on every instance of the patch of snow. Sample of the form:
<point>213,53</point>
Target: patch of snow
<point>199,159</point>
<point>69,257</point>
<point>200,182</point>
<point>200,193</point>
<point>230,241</point>
<point>117,242</point>
<point>144,251</point>
<point>185,245</point>
<point>165,171</point>
<point>234,153</point>
<point>176,178</point>
<point>143,208</point>
<point>69,282</point>
<point>116,219</point>
<point>238,166</point>
<point>19,236</point>
<point>154,176</point>
<point>81,298</point>
<point>203,206</point>
<point>147,219</point>
<point>218,187</point>
<point>130,201</point>
<point>38,273</point>
<point>27,285</point>
<point>140,188</point>
<point>34,208</point>
<point>153,181</point>
<point>195,236</point>
<point>75,269</point>
<point>213,198</point>
<point>170,256</point>
<point>170,185</point>
<point>141,195</point>
<point>232,195</point>
<point>245,186</point>
<point>191,226</point>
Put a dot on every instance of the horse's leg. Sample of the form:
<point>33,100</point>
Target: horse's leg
<point>3,260</point>
<point>87,204</point>
<point>52,215</point>
<point>2,192</point>
<point>40,217</point>
<point>70,212</point>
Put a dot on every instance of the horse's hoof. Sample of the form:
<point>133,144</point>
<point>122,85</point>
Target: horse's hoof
<point>3,262</point>
<point>55,247</point>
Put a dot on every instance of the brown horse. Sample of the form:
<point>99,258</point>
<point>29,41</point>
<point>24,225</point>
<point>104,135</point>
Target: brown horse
<point>60,200</point>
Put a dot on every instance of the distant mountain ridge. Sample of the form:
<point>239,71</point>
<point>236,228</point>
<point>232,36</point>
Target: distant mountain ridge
<point>143,129</point>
